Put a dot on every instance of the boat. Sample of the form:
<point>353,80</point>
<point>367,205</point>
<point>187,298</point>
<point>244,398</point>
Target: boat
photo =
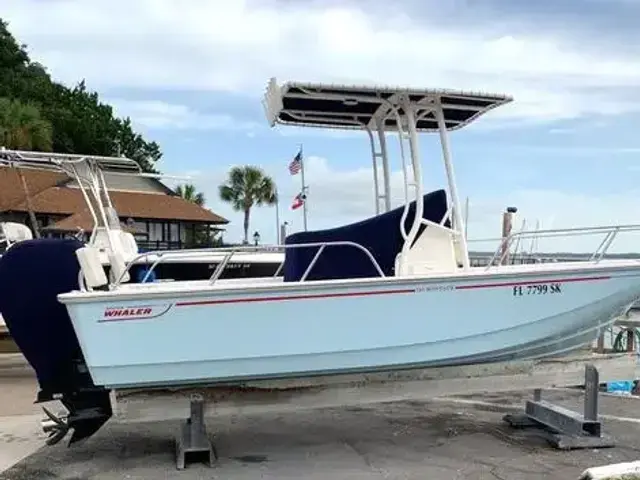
<point>12,232</point>
<point>394,291</point>
<point>109,237</point>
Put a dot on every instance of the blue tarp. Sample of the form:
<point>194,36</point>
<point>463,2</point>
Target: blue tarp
<point>32,274</point>
<point>380,235</point>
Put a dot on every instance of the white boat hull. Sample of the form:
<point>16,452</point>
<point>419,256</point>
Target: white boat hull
<point>162,334</point>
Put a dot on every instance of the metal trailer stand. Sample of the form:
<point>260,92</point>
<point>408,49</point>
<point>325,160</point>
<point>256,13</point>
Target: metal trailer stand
<point>339,391</point>
<point>192,443</point>
<point>566,429</point>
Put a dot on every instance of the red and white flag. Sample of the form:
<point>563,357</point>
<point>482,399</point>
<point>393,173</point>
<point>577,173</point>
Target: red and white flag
<point>298,201</point>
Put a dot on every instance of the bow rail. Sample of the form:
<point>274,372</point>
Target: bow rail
<point>610,233</point>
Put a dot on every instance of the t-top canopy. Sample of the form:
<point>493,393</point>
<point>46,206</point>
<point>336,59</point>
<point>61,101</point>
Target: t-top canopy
<point>49,160</point>
<point>359,106</point>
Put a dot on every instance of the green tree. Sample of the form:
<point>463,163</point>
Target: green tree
<point>246,187</point>
<point>22,127</point>
<point>80,122</point>
<point>202,234</point>
<point>189,193</point>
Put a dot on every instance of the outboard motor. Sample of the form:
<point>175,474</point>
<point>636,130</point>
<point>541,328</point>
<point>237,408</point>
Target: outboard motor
<point>32,274</point>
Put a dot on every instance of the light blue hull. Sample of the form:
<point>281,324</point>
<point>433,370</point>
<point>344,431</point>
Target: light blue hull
<point>318,328</point>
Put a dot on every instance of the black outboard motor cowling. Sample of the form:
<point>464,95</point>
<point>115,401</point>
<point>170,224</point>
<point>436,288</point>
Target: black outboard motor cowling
<point>32,274</point>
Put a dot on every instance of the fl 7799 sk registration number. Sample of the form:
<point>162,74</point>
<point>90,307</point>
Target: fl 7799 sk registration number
<point>537,289</point>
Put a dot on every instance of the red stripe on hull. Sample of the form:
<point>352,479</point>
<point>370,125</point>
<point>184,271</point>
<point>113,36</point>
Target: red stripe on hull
<point>281,298</point>
<point>294,297</point>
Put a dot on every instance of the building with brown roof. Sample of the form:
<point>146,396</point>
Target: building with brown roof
<point>154,213</point>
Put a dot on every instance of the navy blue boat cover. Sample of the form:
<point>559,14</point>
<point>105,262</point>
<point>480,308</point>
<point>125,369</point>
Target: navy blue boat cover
<point>32,274</point>
<point>380,235</point>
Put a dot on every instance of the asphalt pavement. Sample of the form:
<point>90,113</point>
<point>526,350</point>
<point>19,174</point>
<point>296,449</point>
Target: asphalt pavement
<point>463,437</point>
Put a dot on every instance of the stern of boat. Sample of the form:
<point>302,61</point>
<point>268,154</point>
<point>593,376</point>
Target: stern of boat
<point>32,274</point>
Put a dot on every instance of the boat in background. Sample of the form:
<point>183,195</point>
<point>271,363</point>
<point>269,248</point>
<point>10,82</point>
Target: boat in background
<point>11,233</point>
<point>109,237</point>
<point>394,291</point>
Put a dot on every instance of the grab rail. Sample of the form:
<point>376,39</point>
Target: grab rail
<point>611,232</point>
<point>230,251</point>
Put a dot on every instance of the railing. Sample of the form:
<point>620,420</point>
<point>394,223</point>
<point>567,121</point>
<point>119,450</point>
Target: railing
<point>231,251</point>
<point>610,231</point>
<point>524,258</point>
<point>149,245</point>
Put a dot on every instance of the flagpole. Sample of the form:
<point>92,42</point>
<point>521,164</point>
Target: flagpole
<point>304,190</point>
<point>277,217</point>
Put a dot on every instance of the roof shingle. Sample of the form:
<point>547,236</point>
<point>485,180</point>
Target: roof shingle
<point>11,191</point>
<point>83,221</point>
<point>50,198</point>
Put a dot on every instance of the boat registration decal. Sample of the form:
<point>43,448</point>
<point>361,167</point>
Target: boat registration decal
<point>537,289</point>
<point>136,312</point>
<point>534,287</point>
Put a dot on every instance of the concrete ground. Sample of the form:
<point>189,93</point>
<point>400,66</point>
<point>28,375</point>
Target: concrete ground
<point>438,439</point>
<point>20,433</point>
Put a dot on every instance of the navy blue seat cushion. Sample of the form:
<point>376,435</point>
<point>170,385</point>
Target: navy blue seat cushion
<point>32,274</point>
<point>380,235</point>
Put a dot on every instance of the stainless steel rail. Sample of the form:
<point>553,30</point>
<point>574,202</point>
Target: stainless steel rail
<point>231,251</point>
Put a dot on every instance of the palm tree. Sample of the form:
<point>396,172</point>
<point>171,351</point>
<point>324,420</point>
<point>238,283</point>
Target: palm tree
<point>246,187</point>
<point>200,234</point>
<point>22,128</point>
<point>188,192</point>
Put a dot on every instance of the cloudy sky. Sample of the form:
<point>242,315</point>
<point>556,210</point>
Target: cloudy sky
<point>191,74</point>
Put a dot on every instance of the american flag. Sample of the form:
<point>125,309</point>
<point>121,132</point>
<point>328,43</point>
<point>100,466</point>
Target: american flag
<point>296,164</point>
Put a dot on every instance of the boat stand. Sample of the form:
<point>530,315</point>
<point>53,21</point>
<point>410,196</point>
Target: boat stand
<point>566,429</point>
<point>193,442</point>
<point>295,394</point>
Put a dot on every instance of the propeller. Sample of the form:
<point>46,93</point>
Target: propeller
<point>56,427</point>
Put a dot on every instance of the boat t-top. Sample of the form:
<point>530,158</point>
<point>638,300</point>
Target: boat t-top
<point>393,291</point>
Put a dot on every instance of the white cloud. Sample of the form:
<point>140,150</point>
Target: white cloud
<point>236,46</point>
<point>157,114</point>
<point>161,115</point>
<point>555,209</point>
<point>339,196</point>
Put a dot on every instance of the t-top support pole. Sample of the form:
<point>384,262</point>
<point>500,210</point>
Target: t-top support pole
<point>382,140</point>
<point>380,161</point>
<point>409,115</point>
<point>459,225</point>
<point>374,160</point>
